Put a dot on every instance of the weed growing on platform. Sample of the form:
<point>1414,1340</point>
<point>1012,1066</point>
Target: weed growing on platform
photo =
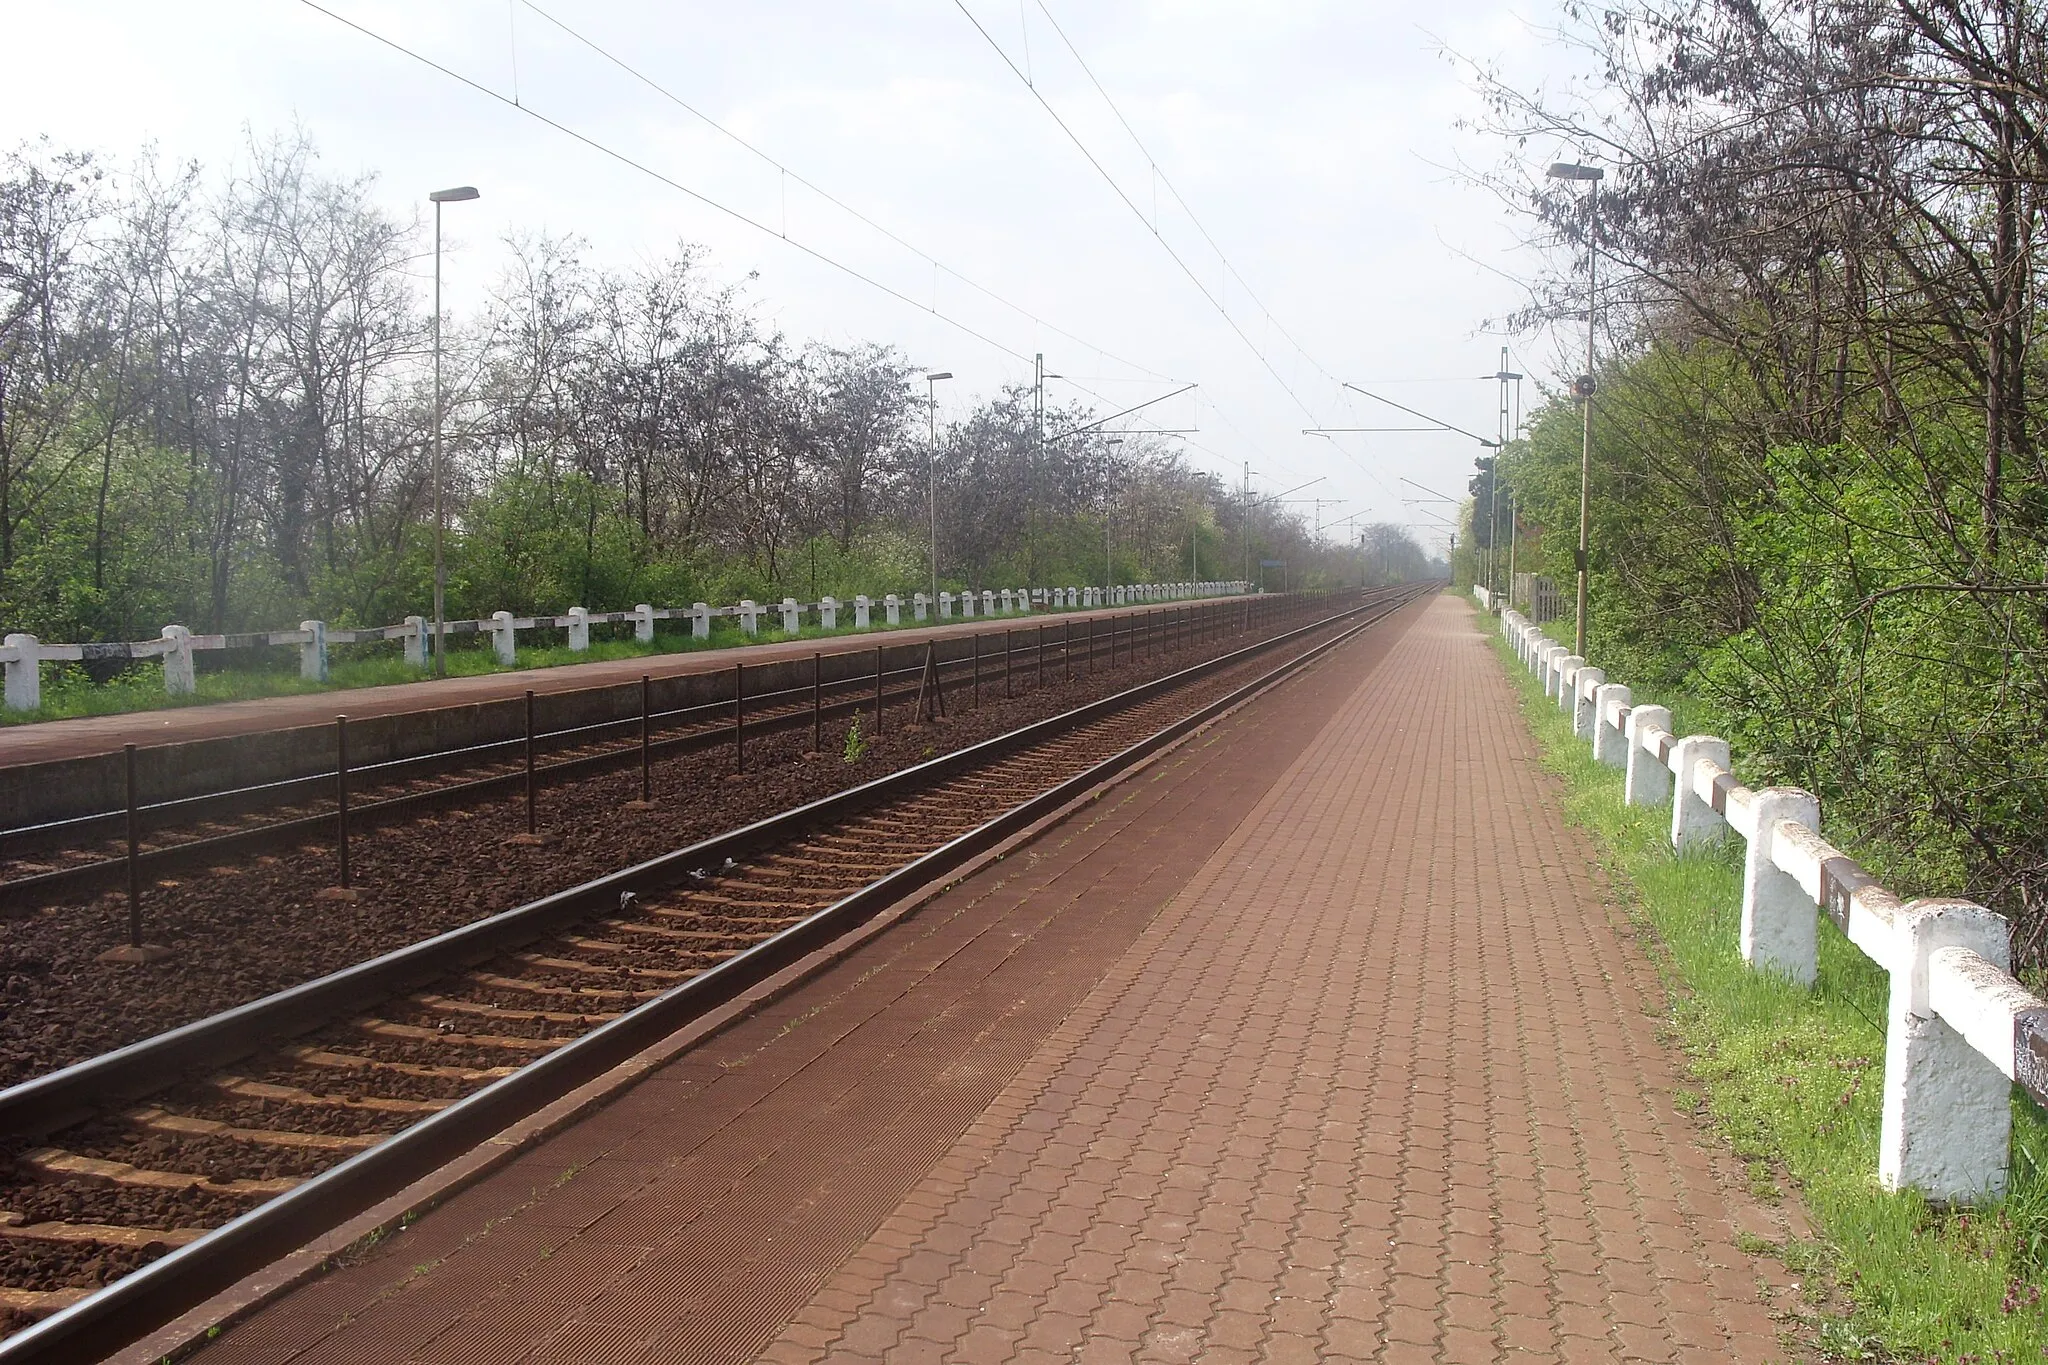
<point>1793,1080</point>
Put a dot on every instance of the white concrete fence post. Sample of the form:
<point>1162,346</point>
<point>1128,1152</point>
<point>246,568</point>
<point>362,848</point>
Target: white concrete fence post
<point>828,612</point>
<point>579,629</point>
<point>892,609</point>
<point>313,653</point>
<point>1009,601</point>
<point>919,605</point>
<point>416,642</point>
<point>1610,744</point>
<point>700,620</point>
<point>863,611</point>
<point>1649,781</point>
<point>1694,823</point>
<point>750,616</point>
<point>180,679</point>
<point>1567,673</point>
<point>504,639</point>
<point>24,673</point>
<point>643,623</point>
<point>967,605</point>
<point>1947,1127</point>
<point>988,602</point>
<point>1780,927</point>
<point>792,616</point>
<point>1585,686</point>
<point>945,606</point>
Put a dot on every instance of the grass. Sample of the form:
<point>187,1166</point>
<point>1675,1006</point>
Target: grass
<point>68,692</point>
<point>1792,1080</point>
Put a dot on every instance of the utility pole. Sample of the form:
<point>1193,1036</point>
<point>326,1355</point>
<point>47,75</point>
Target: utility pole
<point>1591,175</point>
<point>1037,463</point>
<point>931,469</point>
<point>1245,528</point>
<point>1493,482</point>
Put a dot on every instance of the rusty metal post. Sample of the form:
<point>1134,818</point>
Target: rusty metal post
<point>134,853</point>
<point>878,689</point>
<point>1009,648</point>
<point>341,794</point>
<point>739,718</point>
<point>977,670</point>
<point>817,705</point>
<point>1067,650</point>
<point>646,738</point>
<point>532,816</point>
<point>1039,681</point>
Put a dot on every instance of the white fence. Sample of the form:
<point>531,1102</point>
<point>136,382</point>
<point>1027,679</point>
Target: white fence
<point>24,655</point>
<point>1959,1029</point>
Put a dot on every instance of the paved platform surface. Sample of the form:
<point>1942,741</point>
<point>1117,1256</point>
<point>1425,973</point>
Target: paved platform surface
<point>81,736</point>
<point>1318,1041</point>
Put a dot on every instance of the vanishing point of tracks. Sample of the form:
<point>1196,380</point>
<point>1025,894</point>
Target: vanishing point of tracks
<point>169,1169</point>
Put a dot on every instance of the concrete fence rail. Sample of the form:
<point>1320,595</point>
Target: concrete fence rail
<point>1960,1029</point>
<point>24,655</point>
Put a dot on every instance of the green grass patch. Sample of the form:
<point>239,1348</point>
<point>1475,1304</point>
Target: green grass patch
<point>68,691</point>
<point>1794,1080</point>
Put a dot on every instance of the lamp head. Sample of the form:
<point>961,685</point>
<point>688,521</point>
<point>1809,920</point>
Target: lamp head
<point>455,196</point>
<point>1571,170</point>
<point>937,375</point>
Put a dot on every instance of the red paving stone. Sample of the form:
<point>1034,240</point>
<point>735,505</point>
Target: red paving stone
<point>1382,1083</point>
<point>1319,1041</point>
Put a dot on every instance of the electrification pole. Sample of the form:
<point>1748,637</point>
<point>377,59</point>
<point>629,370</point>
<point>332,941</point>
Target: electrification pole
<point>1592,175</point>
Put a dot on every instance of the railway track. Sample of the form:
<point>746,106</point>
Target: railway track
<point>43,863</point>
<point>141,1182</point>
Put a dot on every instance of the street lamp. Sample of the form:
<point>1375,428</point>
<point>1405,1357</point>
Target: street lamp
<point>459,194</point>
<point>931,468</point>
<point>1592,175</point>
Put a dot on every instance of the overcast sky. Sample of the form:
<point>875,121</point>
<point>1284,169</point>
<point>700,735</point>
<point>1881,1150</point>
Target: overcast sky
<point>1308,137</point>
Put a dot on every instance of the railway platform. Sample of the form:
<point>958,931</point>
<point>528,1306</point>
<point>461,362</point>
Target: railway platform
<point>1317,1038</point>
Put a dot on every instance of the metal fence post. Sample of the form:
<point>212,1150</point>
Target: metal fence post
<point>878,689</point>
<point>134,852</point>
<point>341,793</point>
<point>817,706</point>
<point>532,818</point>
<point>739,718</point>
<point>646,738</point>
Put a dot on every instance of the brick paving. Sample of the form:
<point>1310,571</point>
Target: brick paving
<point>697,1214</point>
<point>1381,1083</point>
<point>1319,1041</point>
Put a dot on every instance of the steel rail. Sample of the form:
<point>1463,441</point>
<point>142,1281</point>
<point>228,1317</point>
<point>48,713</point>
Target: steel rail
<point>137,1303</point>
<point>188,809</point>
<point>273,833</point>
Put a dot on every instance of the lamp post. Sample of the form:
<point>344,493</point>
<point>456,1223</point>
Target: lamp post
<point>1592,175</point>
<point>459,194</point>
<point>931,468</point>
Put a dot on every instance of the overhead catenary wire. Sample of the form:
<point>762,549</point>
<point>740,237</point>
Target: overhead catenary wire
<point>1160,177</point>
<point>643,168</point>
<point>937,265</point>
<point>1136,212</point>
